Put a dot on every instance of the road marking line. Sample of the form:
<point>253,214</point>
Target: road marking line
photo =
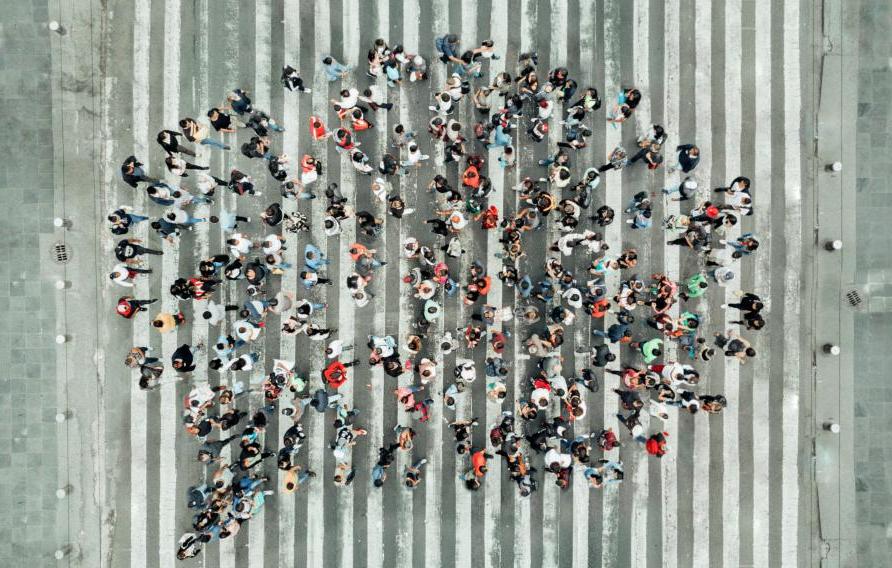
<point>793,239</point>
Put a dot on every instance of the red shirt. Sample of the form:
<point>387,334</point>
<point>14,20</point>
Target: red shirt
<point>125,308</point>
<point>478,460</point>
<point>335,374</point>
<point>655,447</point>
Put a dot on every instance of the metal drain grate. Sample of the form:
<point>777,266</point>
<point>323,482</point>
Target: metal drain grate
<point>61,254</point>
<point>854,298</point>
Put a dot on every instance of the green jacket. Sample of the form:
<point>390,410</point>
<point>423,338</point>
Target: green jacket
<point>693,284</point>
<point>648,348</point>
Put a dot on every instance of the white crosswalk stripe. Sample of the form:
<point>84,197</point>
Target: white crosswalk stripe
<point>138,412</point>
<point>762,189</point>
<point>730,431</point>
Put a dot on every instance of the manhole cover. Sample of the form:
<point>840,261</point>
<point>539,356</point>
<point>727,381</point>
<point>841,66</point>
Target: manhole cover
<point>61,253</point>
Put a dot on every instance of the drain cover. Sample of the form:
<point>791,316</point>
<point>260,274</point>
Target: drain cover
<point>61,254</point>
<point>854,298</point>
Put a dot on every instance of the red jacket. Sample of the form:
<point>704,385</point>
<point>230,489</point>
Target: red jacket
<point>656,445</point>
<point>317,127</point>
<point>335,374</point>
<point>125,308</point>
<point>478,460</point>
<point>471,177</point>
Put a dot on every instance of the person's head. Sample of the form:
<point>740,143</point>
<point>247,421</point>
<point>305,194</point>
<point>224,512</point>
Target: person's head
<point>750,352</point>
<point>610,357</point>
<point>451,38</point>
<point>184,123</point>
<point>657,352</point>
<point>155,224</point>
<point>327,61</point>
<point>378,482</point>
<point>695,151</point>
<point>157,323</point>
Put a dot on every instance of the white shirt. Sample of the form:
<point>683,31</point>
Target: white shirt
<point>217,311</point>
<point>177,216</point>
<point>242,245</point>
<point>381,190</point>
<point>272,244</point>
<point>378,96</point>
<point>177,166</point>
<point>123,276</point>
<point>335,347</point>
<point>184,199</point>
<point>335,226</point>
<point>552,456</point>
<point>468,372</point>
<point>350,100</point>
<point>540,395</point>
<point>361,298</point>
<point>205,183</point>
<point>246,331</point>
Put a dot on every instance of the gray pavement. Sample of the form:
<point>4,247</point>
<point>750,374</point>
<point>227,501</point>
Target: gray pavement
<point>739,78</point>
<point>872,395</point>
<point>28,399</point>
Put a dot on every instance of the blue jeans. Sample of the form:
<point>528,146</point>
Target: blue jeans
<point>136,218</point>
<point>192,220</point>
<point>333,72</point>
<point>215,143</point>
<point>316,264</point>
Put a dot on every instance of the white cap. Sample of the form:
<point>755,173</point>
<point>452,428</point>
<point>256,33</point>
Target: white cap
<point>418,60</point>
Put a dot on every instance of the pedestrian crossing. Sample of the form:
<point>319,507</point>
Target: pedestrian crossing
<point>727,493</point>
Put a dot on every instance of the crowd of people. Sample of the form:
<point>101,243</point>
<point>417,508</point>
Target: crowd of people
<point>536,437</point>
